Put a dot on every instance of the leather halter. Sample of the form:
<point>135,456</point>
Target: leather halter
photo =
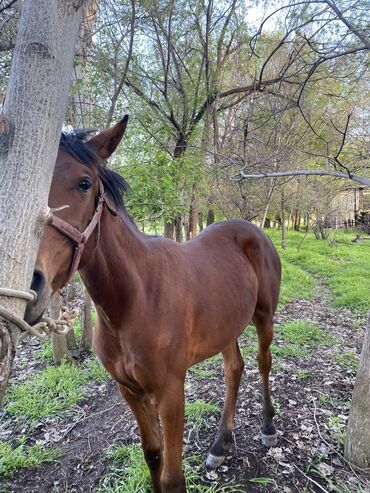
<point>80,239</point>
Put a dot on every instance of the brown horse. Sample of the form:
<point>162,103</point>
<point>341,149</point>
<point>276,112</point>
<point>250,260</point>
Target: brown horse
<point>161,306</point>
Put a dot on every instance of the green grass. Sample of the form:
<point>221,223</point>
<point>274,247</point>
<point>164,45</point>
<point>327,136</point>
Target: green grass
<point>303,333</point>
<point>45,353</point>
<point>197,411</point>
<point>13,459</point>
<point>343,267</point>
<point>200,372</point>
<point>131,474</point>
<point>348,359</point>
<point>296,283</point>
<point>54,390</point>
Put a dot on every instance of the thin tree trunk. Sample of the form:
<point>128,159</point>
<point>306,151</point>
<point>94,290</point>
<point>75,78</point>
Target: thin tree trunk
<point>169,229</point>
<point>210,217</point>
<point>178,227</point>
<point>200,221</point>
<point>283,235</point>
<point>269,194</point>
<point>357,443</point>
<point>193,211</point>
<point>87,325</point>
<point>60,349</point>
<point>30,127</point>
<point>80,105</point>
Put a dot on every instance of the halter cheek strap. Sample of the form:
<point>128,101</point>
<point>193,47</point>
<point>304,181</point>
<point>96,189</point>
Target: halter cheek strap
<point>80,239</point>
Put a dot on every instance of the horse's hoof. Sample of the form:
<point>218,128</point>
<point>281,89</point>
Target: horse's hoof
<point>269,440</point>
<point>214,461</point>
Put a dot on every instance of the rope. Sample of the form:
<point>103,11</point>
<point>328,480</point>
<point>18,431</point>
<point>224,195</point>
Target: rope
<point>42,329</point>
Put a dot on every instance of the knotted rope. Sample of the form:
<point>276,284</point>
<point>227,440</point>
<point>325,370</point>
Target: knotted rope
<point>42,329</point>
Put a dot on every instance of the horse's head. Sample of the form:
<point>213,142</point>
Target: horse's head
<point>80,186</point>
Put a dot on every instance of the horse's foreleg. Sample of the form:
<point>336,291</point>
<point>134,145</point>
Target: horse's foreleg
<point>264,327</point>
<point>170,404</point>
<point>147,419</point>
<point>233,368</point>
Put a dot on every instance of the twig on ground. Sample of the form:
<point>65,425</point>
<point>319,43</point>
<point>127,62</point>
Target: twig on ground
<point>310,479</point>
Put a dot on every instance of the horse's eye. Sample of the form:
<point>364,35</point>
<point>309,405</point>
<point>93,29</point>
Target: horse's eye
<point>84,185</point>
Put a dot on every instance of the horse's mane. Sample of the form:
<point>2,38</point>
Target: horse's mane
<point>74,143</point>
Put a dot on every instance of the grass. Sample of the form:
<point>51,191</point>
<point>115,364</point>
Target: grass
<point>303,333</point>
<point>342,266</point>
<point>197,411</point>
<point>296,283</point>
<point>52,391</point>
<point>348,359</point>
<point>23,456</point>
<point>294,339</point>
<point>131,474</point>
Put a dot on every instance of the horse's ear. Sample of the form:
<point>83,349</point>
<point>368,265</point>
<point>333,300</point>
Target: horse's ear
<point>106,142</point>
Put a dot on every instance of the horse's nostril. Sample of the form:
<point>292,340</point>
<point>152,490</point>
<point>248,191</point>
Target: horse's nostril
<point>38,281</point>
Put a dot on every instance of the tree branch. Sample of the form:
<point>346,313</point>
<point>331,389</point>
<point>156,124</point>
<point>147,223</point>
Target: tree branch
<point>337,174</point>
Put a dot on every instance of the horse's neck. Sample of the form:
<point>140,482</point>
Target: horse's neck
<point>113,269</point>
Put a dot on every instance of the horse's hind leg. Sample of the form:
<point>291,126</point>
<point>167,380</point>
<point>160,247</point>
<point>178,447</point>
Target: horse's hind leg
<point>264,327</point>
<point>147,419</point>
<point>233,368</point>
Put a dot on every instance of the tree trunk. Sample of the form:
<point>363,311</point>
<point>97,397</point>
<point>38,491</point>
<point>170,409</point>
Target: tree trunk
<point>60,349</point>
<point>87,325</point>
<point>357,444</point>
<point>200,220</point>
<point>268,199</point>
<point>283,235</point>
<point>193,211</point>
<point>169,229</point>
<point>297,220</point>
<point>30,127</point>
<point>178,227</point>
<point>210,217</point>
<point>80,105</point>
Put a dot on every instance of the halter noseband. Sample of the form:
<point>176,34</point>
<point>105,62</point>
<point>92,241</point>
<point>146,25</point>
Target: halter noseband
<point>78,238</point>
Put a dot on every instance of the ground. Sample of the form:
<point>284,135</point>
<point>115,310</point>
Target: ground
<point>316,350</point>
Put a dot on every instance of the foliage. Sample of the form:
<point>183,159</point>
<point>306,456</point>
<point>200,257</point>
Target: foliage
<point>23,456</point>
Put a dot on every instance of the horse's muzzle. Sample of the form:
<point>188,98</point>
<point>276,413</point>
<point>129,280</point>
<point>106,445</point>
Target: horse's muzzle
<point>35,309</point>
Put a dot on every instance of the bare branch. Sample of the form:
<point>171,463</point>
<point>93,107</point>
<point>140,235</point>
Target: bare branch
<point>337,174</point>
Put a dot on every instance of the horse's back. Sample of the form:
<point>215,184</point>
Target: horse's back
<point>247,239</point>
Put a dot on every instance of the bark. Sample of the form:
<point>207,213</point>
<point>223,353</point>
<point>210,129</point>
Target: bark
<point>357,443</point>
<point>60,349</point>
<point>283,236</point>
<point>169,229</point>
<point>80,106</point>
<point>30,127</point>
<point>297,220</point>
<point>271,189</point>
<point>178,227</point>
<point>193,211</point>
<point>210,217</point>
<point>200,221</point>
<point>87,325</point>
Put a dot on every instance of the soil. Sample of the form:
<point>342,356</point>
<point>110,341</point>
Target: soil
<point>311,394</point>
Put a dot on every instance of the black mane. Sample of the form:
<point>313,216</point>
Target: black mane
<point>74,143</point>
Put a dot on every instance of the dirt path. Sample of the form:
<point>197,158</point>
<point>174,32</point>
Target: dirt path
<point>311,395</point>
